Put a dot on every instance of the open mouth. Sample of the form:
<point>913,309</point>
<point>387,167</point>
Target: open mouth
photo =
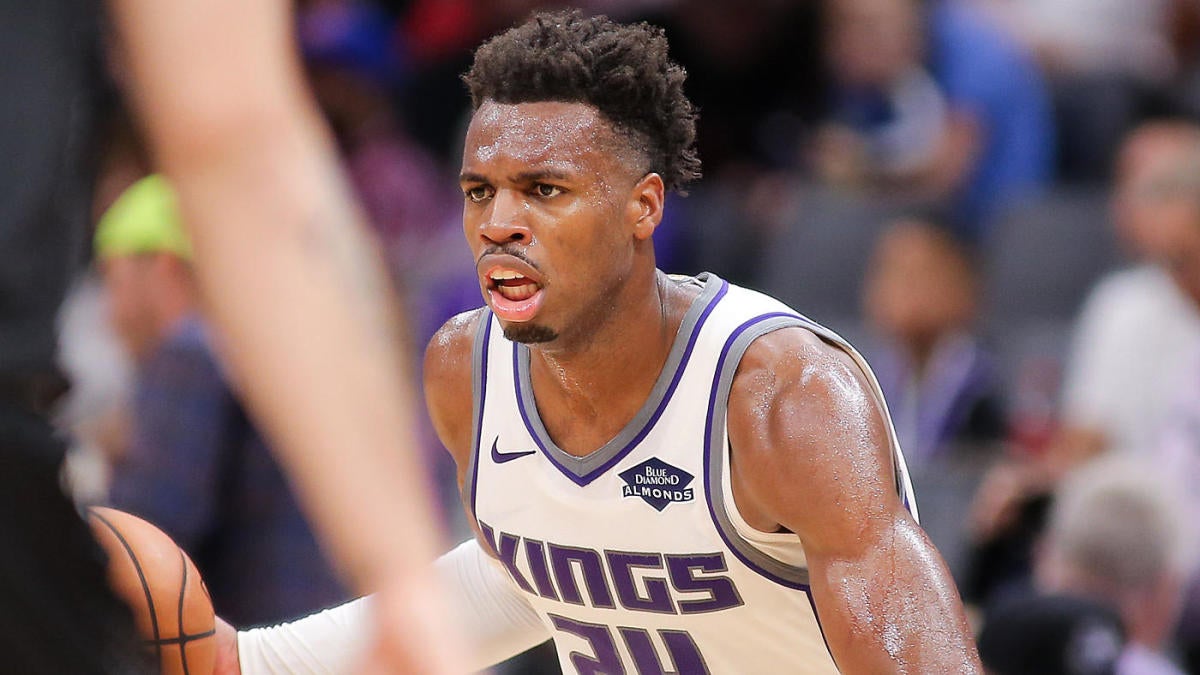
<point>513,296</point>
<point>512,285</point>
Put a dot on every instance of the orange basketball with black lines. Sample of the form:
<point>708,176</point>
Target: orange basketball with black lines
<point>171,606</point>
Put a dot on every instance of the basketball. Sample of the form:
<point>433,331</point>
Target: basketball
<point>170,605</point>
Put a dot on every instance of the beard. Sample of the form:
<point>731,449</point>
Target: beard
<point>529,333</point>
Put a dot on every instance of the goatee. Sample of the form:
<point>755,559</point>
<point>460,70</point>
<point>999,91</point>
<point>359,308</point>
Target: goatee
<point>529,333</point>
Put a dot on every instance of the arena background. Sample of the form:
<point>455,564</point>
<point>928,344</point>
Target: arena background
<point>938,181</point>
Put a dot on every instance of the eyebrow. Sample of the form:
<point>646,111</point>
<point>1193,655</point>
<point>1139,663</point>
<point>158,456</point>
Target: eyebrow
<point>522,177</point>
<point>540,174</point>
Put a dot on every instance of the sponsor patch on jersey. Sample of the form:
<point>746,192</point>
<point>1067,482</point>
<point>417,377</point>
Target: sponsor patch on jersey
<point>658,483</point>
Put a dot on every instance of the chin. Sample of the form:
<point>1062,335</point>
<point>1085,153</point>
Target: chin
<point>529,333</point>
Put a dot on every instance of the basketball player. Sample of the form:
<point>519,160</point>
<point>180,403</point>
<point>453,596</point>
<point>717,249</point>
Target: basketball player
<point>284,267</point>
<point>667,474</point>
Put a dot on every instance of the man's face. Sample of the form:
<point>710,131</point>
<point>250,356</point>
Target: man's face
<point>1149,160</point>
<point>918,288</point>
<point>1179,217</point>
<point>871,42</point>
<point>129,282</point>
<point>549,215</point>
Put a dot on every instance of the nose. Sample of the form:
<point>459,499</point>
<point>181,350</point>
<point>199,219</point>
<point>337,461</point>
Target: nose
<point>504,220</point>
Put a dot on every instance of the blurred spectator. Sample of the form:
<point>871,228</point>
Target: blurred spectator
<point>1051,635</point>
<point>1076,38</point>
<point>1139,326</point>
<point>353,65</point>
<point>937,102</point>
<point>195,466</point>
<point>1109,63</point>
<point>890,123</point>
<point>991,80</point>
<point>1133,341</point>
<point>1178,456</point>
<point>922,300</point>
<point>941,385</point>
<point>95,411</point>
<point>1118,534</point>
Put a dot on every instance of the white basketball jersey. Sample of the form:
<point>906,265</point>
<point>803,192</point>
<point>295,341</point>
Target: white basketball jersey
<point>635,555</point>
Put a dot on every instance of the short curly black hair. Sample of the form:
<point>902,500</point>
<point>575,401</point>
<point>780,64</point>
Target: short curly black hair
<point>622,70</point>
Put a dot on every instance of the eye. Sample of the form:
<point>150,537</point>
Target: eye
<point>547,191</point>
<point>479,193</point>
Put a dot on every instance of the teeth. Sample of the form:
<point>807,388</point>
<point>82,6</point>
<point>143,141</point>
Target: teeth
<point>518,293</point>
<point>500,275</point>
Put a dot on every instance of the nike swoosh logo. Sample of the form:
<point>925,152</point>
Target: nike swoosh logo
<point>502,457</point>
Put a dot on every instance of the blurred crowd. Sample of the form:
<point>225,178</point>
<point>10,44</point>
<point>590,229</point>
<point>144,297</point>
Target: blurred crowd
<point>998,201</point>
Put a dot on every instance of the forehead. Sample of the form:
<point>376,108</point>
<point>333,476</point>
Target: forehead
<point>542,133</point>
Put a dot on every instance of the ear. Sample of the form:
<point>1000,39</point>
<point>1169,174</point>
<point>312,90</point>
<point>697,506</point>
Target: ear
<point>646,205</point>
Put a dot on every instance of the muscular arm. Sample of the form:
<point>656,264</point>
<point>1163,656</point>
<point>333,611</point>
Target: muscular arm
<point>810,455</point>
<point>292,282</point>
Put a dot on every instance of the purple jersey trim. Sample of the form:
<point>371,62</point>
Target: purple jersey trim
<point>709,449</point>
<point>585,479</point>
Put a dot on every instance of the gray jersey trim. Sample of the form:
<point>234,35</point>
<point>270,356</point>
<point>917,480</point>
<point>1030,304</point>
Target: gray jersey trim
<point>479,352</point>
<point>731,355</point>
<point>778,571</point>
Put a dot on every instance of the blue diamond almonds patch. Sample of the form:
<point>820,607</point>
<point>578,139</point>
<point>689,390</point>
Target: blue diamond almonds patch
<point>658,483</point>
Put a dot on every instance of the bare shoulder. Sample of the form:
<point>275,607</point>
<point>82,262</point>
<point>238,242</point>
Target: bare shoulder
<point>795,368</point>
<point>447,377</point>
<point>807,432</point>
<point>450,346</point>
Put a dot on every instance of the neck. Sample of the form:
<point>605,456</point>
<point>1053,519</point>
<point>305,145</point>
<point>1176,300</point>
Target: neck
<point>172,308</point>
<point>633,332</point>
<point>920,351</point>
<point>602,378</point>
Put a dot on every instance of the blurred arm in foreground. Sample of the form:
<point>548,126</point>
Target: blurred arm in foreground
<point>296,289</point>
